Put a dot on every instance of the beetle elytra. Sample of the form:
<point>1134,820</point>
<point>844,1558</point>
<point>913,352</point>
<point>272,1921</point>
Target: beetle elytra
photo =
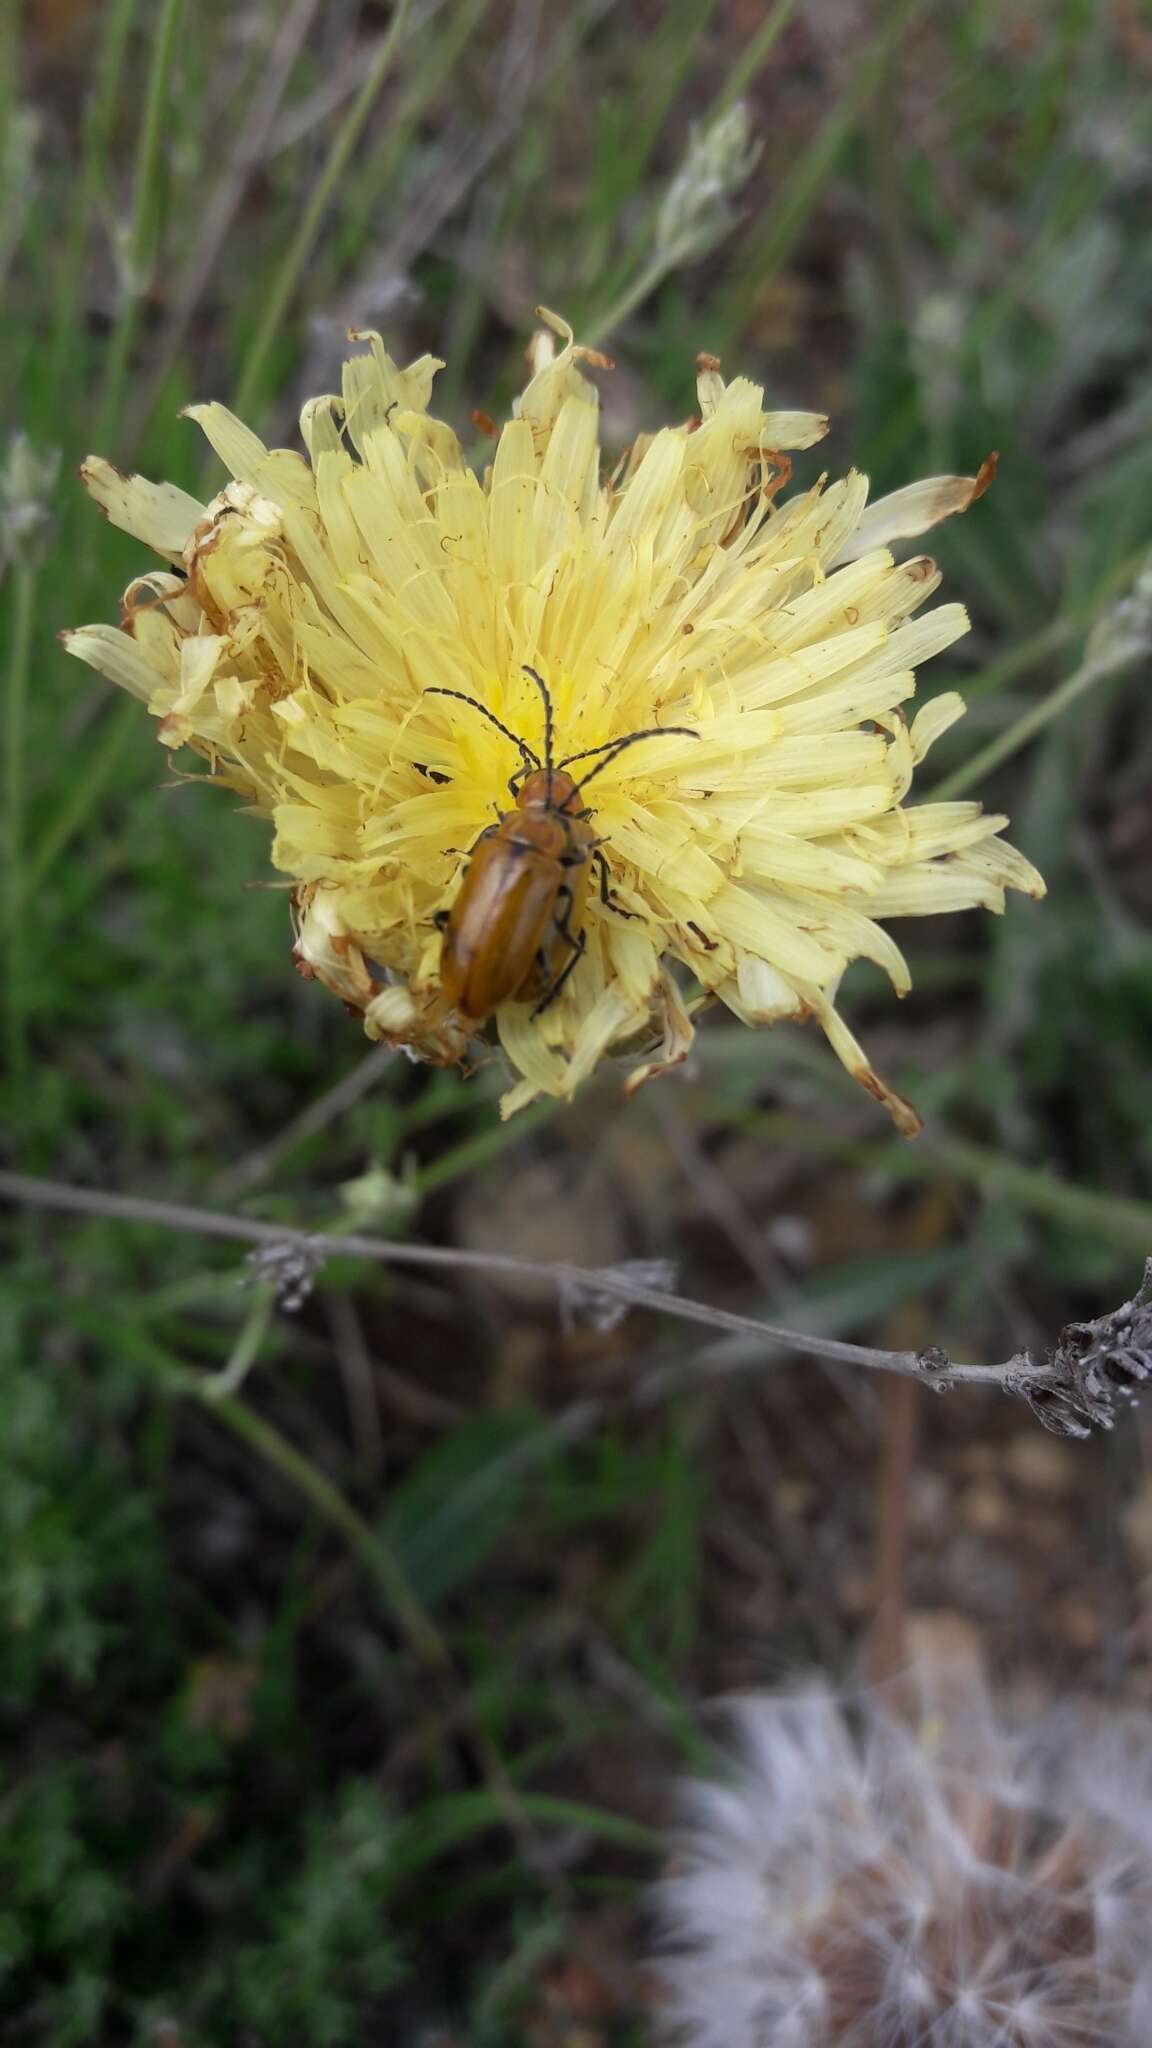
<point>515,931</point>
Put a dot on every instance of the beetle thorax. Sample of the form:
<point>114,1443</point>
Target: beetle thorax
<point>555,792</point>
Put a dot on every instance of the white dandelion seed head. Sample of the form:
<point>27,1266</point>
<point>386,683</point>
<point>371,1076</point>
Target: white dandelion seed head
<point>859,1881</point>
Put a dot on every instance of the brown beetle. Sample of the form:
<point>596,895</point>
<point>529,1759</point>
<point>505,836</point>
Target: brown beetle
<point>515,932</point>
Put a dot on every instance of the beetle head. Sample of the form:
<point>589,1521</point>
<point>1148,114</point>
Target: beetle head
<point>549,789</point>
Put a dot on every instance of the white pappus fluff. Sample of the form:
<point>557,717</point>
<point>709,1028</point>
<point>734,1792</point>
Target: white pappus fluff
<point>862,1881</point>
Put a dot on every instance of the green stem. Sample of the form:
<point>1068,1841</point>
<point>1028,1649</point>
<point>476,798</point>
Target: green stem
<point>118,21</point>
<point>601,326</point>
<point>1097,669</point>
<point>481,1148</point>
<point>217,1386</point>
<point>749,66</point>
<point>1038,646</point>
<point>767,244</point>
<point>10,12</point>
<point>141,234</point>
<point>1117,1220</point>
<point>15,718</point>
<point>384,1567</point>
<point>364,202</point>
<point>1112,1217</point>
<point>84,794</point>
<point>302,243</point>
<point>669,58</point>
<point>142,240</point>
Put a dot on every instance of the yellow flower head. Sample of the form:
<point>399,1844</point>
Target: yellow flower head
<point>320,611</point>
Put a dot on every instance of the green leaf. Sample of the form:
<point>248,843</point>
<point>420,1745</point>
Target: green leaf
<point>456,1504</point>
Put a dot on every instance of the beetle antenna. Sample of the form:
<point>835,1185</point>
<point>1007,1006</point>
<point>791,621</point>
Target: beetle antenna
<point>526,754</point>
<point>546,694</point>
<point>611,748</point>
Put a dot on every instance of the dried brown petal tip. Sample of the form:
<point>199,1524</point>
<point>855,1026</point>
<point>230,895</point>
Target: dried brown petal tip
<point>985,476</point>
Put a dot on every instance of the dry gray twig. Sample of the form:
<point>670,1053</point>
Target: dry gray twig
<point>1092,1366</point>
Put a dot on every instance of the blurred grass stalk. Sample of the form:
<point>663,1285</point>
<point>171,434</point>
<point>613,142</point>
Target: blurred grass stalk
<point>307,1479</point>
<point>93,181</point>
<point>695,213</point>
<point>19,655</point>
<point>279,293</point>
<point>142,238</point>
<point>1120,638</point>
<point>207,246</point>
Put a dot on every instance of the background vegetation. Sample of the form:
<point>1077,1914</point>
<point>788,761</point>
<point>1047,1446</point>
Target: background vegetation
<point>342,1708</point>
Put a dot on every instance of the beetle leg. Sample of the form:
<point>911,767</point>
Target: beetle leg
<point>607,893</point>
<point>576,940</point>
<point>466,853</point>
<point>551,994</point>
